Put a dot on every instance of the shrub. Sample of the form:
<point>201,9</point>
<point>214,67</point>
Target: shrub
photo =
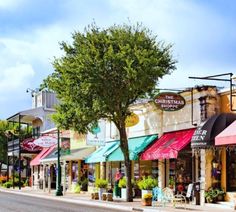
<point>3,179</point>
<point>101,183</point>
<point>122,182</point>
<point>8,184</point>
<point>77,189</point>
<point>147,183</point>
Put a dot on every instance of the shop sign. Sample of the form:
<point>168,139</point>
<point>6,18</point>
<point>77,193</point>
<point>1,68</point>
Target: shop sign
<point>65,146</point>
<point>169,101</point>
<point>97,136</point>
<point>199,138</point>
<point>46,141</point>
<point>29,145</point>
<point>131,120</point>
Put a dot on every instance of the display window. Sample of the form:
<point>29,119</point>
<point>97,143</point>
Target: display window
<point>180,171</point>
<point>75,171</point>
<point>231,170</point>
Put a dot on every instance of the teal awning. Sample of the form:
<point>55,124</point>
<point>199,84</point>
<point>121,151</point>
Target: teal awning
<point>100,155</point>
<point>136,146</point>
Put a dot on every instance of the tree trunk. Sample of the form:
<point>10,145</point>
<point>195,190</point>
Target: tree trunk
<point>125,150</point>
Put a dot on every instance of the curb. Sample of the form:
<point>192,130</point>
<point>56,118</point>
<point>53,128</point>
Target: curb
<point>78,201</point>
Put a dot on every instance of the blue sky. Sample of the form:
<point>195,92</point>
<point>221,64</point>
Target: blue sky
<point>203,34</point>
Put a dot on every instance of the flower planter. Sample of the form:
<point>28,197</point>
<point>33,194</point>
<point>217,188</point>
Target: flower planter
<point>146,192</point>
<point>147,202</point>
<point>100,191</point>
<point>123,193</point>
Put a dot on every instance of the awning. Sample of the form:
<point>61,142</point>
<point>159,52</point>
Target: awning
<point>76,154</point>
<point>100,155</point>
<point>136,146</point>
<point>168,145</point>
<point>41,155</point>
<point>79,154</point>
<point>227,136</point>
<point>204,135</point>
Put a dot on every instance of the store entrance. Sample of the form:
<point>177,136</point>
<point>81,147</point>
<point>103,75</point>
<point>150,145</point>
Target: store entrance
<point>231,170</point>
<point>180,172</point>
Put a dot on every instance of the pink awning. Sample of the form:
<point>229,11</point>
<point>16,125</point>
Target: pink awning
<point>168,145</point>
<point>41,155</point>
<point>227,136</point>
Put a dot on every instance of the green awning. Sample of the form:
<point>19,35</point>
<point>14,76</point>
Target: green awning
<point>136,146</point>
<point>100,155</point>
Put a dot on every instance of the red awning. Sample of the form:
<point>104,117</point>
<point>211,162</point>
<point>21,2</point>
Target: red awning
<point>227,136</point>
<point>168,145</point>
<point>41,155</point>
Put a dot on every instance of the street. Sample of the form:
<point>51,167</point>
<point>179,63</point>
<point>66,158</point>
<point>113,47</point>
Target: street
<point>20,203</point>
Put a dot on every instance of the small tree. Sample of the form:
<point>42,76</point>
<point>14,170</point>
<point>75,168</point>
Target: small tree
<point>102,73</point>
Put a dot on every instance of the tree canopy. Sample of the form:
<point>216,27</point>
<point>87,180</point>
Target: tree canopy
<point>102,73</point>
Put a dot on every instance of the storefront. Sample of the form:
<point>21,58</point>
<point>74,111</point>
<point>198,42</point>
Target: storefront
<point>173,151</point>
<point>226,141</point>
<point>212,159</point>
<point>113,156</point>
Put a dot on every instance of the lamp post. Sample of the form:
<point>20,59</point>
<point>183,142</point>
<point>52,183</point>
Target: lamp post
<point>59,190</point>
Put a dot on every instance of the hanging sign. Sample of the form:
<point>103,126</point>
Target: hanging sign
<point>169,101</point>
<point>29,145</point>
<point>97,136</point>
<point>65,146</point>
<point>46,141</point>
<point>131,120</point>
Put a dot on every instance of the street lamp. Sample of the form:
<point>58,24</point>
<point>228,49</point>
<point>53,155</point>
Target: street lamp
<point>59,190</point>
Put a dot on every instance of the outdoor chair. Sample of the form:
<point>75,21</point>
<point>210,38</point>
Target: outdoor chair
<point>157,196</point>
<point>169,197</point>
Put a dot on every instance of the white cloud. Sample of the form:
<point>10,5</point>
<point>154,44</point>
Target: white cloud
<point>10,4</point>
<point>13,80</point>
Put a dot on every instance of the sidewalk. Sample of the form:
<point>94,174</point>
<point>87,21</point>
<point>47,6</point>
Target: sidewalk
<point>118,204</point>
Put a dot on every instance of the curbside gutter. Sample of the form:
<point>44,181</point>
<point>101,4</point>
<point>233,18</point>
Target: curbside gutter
<point>78,201</point>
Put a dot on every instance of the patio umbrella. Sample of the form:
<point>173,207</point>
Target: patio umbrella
<point>204,135</point>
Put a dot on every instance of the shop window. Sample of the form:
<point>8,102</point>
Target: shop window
<point>145,168</point>
<point>203,108</point>
<point>91,174</point>
<point>112,171</point>
<point>75,171</point>
<point>36,132</point>
<point>180,171</point>
<point>231,170</point>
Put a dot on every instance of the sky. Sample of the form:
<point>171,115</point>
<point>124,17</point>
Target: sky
<point>203,35</point>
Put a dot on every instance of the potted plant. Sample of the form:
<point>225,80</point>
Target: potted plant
<point>211,195</point>
<point>146,184</point>
<point>171,182</point>
<point>122,185</point>
<point>147,199</point>
<point>101,184</point>
<point>220,194</point>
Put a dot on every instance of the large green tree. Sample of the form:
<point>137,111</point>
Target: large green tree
<point>102,73</point>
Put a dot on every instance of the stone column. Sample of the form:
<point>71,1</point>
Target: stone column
<point>44,183</point>
<point>49,178</point>
<point>161,173</point>
<point>202,176</point>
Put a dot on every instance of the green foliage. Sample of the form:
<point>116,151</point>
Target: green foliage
<point>77,188</point>
<point>171,181</point>
<point>212,193</point>
<point>147,183</point>
<point>8,184</point>
<point>102,72</point>
<point>101,183</point>
<point>122,182</point>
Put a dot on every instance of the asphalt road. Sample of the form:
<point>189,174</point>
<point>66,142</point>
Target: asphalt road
<point>21,203</point>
